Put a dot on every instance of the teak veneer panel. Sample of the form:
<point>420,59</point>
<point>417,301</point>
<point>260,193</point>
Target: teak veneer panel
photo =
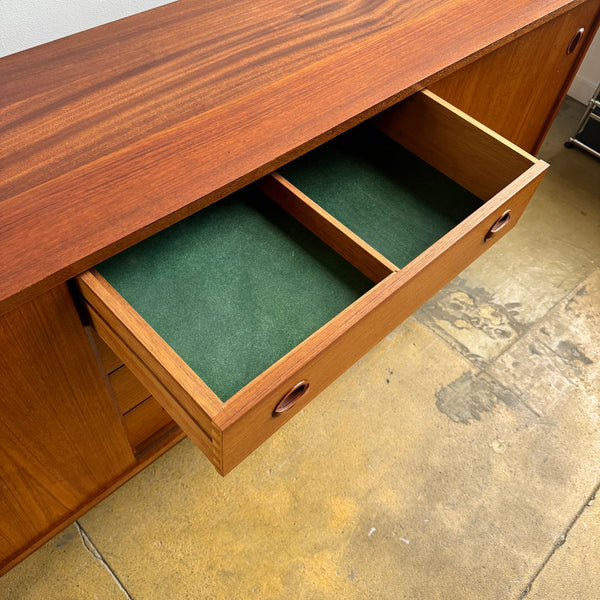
<point>516,90</point>
<point>145,421</point>
<point>455,144</point>
<point>110,135</point>
<point>61,438</point>
<point>109,360</point>
<point>344,241</point>
<point>129,392</point>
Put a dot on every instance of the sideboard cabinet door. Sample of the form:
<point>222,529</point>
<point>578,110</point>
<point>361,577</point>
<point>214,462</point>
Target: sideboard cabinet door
<point>61,437</point>
<point>517,89</point>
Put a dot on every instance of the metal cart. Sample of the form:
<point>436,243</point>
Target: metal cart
<point>587,134</point>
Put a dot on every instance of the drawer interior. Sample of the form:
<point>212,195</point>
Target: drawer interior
<point>235,287</point>
<point>283,285</point>
<point>392,199</point>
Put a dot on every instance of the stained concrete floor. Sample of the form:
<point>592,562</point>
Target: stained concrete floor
<point>459,459</point>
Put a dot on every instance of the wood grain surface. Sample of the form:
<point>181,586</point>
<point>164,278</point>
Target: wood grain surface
<point>112,134</point>
<point>145,423</point>
<point>228,432</point>
<point>452,142</point>
<point>109,360</point>
<point>522,104</point>
<point>129,392</point>
<point>344,241</point>
<point>61,438</point>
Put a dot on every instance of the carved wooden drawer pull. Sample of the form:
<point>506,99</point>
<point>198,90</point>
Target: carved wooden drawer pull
<point>498,225</point>
<point>290,399</point>
<point>575,41</point>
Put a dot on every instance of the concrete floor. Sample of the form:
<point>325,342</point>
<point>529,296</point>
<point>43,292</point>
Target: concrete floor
<point>459,459</point>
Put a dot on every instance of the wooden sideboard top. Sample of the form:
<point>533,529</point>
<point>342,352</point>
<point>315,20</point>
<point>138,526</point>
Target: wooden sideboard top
<point>112,134</point>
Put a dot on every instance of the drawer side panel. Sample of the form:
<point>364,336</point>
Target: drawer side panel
<point>469,153</point>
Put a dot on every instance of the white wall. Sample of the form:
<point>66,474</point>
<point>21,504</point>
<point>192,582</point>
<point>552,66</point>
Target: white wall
<point>27,23</point>
<point>588,76</point>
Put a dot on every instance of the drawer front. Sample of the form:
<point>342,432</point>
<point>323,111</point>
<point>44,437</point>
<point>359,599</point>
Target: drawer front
<point>501,175</point>
<point>128,390</point>
<point>146,424</point>
<point>110,361</point>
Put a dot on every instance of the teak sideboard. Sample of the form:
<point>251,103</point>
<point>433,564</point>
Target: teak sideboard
<point>129,317</point>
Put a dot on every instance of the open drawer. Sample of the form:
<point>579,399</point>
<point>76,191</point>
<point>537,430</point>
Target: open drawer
<point>235,318</point>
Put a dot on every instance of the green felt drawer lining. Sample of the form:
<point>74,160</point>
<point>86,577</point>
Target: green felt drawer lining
<point>235,287</point>
<point>389,197</point>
